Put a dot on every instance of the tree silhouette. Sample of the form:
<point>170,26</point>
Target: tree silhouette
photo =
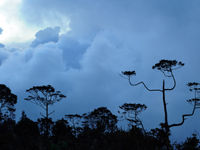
<point>193,87</point>
<point>166,67</point>
<point>26,127</point>
<point>7,135</point>
<point>44,96</point>
<point>7,102</point>
<point>45,126</point>
<point>101,119</point>
<point>76,122</point>
<point>159,134</point>
<point>62,134</point>
<point>27,133</point>
<point>131,111</point>
<point>191,143</point>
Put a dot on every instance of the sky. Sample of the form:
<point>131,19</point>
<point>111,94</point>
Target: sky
<point>81,46</point>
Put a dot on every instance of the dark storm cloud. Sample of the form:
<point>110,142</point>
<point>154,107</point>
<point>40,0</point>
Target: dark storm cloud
<point>3,54</point>
<point>106,38</point>
<point>2,45</point>
<point>45,36</point>
<point>72,50</point>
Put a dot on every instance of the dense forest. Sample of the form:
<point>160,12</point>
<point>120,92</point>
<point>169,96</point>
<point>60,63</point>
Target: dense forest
<point>95,130</point>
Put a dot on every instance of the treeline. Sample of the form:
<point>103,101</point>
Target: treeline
<point>95,130</point>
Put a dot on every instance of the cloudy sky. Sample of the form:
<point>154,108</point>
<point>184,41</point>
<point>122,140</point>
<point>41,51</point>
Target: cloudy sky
<point>81,46</point>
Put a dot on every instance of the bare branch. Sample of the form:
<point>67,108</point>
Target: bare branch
<point>184,117</point>
<point>158,90</point>
<point>42,115</point>
<point>51,113</point>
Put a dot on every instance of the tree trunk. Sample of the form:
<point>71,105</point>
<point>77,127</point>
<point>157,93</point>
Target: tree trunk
<point>166,125</point>
<point>47,110</point>
<point>46,121</point>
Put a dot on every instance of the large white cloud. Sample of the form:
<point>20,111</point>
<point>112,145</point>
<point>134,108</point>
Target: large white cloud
<point>96,82</point>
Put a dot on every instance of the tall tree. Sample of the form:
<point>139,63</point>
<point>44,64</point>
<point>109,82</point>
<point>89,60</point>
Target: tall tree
<point>166,67</point>
<point>7,102</point>
<point>44,96</point>
<point>130,112</point>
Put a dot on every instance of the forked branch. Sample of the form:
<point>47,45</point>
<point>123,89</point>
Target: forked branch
<point>174,80</point>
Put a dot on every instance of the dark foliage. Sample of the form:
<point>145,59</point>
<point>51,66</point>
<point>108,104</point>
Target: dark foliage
<point>45,126</point>
<point>7,102</point>
<point>99,133</point>
<point>7,136</point>
<point>168,65</point>
<point>191,143</point>
<point>26,130</point>
<point>128,73</point>
<point>101,120</point>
